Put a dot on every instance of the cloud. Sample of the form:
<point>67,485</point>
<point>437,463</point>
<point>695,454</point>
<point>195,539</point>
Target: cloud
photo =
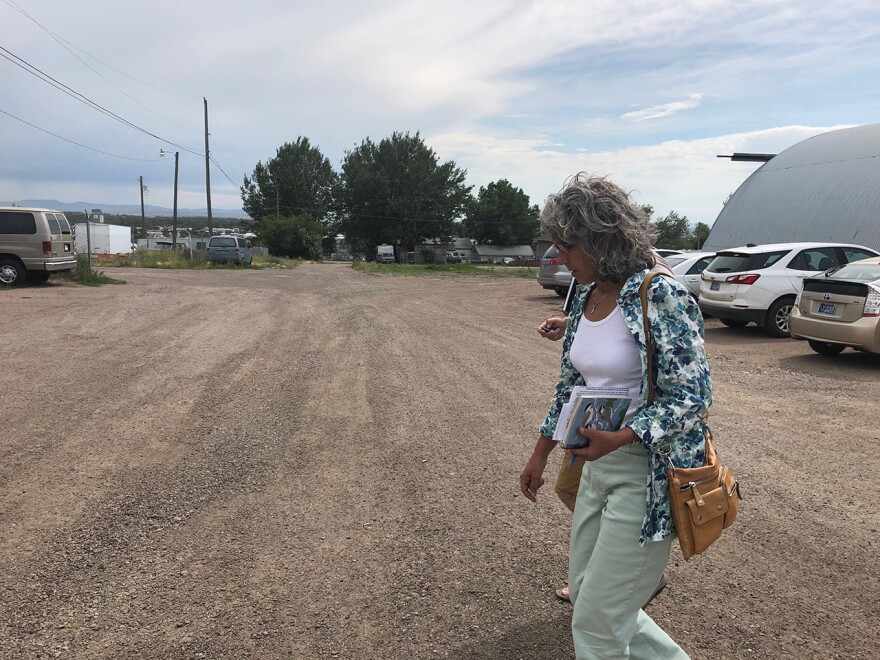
<point>682,175</point>
<point>531,91</point>
<point>664,110</point>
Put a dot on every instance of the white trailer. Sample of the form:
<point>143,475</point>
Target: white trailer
<point>104,239</point>
<point>385,254</point>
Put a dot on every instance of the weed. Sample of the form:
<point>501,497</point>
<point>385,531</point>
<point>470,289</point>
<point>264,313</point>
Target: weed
<point>87,276</point>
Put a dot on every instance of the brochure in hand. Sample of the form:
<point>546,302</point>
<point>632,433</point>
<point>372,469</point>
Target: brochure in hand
<point>602,408</point>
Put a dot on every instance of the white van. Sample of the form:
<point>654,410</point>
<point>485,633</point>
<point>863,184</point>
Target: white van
<point>34,243</point>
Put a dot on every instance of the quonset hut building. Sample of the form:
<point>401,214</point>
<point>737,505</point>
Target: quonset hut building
<point>826,188</point>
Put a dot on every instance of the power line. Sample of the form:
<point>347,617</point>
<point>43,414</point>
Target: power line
<point>61,137</point>
<point>61,40</point>
<point>64,44</point>
<point>49,80</point>
<point>217,165</point>
<point>226,139</point>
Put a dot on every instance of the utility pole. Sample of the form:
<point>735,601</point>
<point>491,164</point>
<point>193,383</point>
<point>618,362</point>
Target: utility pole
<point>174,219</point>
<point>208,171</point>
<point>143,217</point>
<point>89,238</point>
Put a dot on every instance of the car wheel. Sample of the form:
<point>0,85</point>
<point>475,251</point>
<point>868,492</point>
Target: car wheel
<point>732,323</point>
<point>825,348</point>
<point>776,323</point>
<point>12,272</point>
<point>561,292</point>
<point>38,278</point>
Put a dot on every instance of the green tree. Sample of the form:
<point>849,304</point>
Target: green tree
<point>397,192</point>
<point>701,233</point>
<point>298,180</point>
<point>672,231</point>
<point>292,237</point>
<point>501,215</point>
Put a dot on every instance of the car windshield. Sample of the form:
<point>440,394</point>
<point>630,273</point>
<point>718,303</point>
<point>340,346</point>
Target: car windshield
<point>551,253</point>
<point>674,261</point>
<point>857,271</point>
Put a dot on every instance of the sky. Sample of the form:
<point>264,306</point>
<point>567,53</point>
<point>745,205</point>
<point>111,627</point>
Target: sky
<point>647,93</point>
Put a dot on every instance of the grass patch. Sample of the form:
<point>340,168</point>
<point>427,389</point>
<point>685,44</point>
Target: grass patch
<point>86,276</point>
<point>429,269</point>
<point>169,259</point>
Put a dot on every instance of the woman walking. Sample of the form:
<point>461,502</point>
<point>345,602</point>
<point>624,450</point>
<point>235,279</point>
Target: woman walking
<point>621,530</point>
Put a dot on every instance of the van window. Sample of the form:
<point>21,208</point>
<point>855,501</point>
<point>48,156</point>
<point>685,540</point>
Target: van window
<point>54,227</point>
<point>17,222</point>
<point>62,222</point>
<point>222,241</point>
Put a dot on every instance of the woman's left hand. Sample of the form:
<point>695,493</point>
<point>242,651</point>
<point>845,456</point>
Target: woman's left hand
<point>602,442</point>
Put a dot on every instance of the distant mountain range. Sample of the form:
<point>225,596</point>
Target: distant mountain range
<point>123,209</point>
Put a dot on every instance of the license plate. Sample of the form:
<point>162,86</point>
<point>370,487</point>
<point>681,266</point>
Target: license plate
<point>827,308</point>
<point>714,286</point>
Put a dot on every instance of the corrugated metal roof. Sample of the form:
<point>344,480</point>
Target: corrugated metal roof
<point>826,188</point>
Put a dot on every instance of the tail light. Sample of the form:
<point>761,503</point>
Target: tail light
<point>237,251</point>
<point>797,300</point>
<point>872,302</point>
<point>554,261</point>
<point>743,279</point>
<point>47,247</point>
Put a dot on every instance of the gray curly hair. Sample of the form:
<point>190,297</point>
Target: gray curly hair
<point>599,217</point>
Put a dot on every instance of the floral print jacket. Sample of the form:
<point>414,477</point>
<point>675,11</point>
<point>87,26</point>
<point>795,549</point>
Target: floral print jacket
<point>672,428</point>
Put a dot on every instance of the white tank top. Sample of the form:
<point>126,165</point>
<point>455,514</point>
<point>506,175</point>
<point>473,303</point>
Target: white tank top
<point>606,354</point>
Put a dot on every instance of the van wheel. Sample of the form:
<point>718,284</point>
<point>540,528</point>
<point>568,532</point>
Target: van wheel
<point>12,272</point>
<point>38,278</point>
<point>776,323</point>
<point>732,323</point>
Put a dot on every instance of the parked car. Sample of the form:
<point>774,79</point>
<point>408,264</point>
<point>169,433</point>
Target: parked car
<point>687,268</point>
<point>169,245</point>
<point>759,283</point>
<point>552,274</point>
<point>34,243</point>
<point>840,308</point>
<point>556,276</point>
<point>236,249</point>
<point>453,258</point>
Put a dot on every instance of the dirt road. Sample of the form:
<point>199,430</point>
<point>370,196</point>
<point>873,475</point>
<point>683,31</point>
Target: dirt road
<point>319,463</point>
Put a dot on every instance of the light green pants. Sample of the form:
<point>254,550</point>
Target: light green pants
<point>610,574</point>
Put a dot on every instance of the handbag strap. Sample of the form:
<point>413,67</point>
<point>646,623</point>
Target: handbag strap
<point>649,345</point>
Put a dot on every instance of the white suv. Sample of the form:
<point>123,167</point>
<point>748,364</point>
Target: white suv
<point>759,283</point>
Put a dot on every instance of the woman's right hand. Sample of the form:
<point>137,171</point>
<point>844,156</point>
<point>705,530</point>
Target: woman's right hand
<point>531,479</point>
<point>553,328</point>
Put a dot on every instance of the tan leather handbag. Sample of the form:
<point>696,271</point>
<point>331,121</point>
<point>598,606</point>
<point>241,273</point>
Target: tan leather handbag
<point>703,500</point>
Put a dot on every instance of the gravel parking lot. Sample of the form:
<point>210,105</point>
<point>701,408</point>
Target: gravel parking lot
<point>319,463</point>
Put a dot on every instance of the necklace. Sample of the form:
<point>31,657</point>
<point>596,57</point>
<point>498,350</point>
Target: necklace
<point>594,305</point>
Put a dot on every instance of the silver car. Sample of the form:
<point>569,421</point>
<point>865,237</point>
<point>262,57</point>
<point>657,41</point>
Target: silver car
<point>552,274</point>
